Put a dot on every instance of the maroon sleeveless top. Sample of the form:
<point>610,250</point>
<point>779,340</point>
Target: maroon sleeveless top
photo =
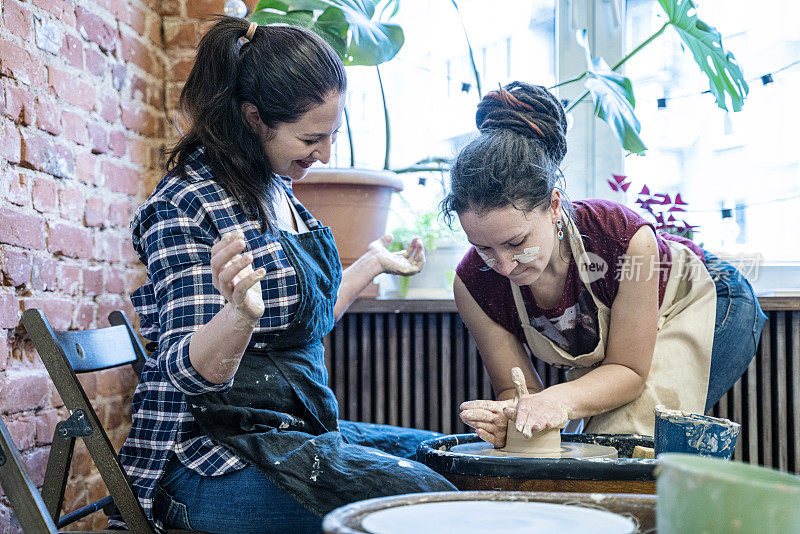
<point>606,228</point>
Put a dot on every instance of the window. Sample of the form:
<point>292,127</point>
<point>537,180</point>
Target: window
<point>430,88</point>
<point>746,162</point>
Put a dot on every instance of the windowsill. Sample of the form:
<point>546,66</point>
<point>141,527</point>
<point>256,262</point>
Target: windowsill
<point>776,302</point>
<point>778,279</point>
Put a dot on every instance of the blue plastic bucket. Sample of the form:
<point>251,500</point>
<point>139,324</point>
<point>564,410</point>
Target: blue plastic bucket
<point>678,431</point>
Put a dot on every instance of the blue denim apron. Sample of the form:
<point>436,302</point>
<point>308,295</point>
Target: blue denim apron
<point>282,417</point>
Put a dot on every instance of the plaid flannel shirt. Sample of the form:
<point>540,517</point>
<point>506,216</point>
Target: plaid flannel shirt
<point>173,231</point>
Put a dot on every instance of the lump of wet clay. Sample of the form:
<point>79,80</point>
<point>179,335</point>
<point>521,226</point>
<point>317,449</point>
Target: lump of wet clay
<point>546,441</point>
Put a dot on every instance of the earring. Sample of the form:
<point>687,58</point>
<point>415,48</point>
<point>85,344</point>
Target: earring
<point>560,233</point>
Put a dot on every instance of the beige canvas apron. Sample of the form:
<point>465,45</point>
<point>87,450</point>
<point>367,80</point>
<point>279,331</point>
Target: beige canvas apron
<point>679,374</point>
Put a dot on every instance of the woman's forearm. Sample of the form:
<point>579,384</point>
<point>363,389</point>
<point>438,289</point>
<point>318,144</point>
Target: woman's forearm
<point>354,280</point>
<point>216,348</point>
<point>600,390</point>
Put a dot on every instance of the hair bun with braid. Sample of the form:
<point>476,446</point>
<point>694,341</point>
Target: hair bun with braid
<point>529,110</point>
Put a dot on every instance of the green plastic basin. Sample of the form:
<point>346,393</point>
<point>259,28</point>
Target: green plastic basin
<point>704,495</point>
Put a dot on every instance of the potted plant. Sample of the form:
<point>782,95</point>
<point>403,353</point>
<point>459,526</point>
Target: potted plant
<point>444,248</point>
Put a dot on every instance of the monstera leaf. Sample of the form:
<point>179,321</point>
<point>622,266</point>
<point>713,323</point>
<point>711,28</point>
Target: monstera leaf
<point>613,99</point>
<point>724,74</point>
<point>294,17</point>
<point>350,26</point>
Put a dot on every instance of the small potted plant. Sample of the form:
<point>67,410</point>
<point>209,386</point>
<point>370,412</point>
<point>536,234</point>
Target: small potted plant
<point>444,248</point>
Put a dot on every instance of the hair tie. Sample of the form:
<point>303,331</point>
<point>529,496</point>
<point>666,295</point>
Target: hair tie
<point>251,31</point>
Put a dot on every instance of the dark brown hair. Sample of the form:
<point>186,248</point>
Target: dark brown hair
<point>515,159</point>
<point>282,70</point>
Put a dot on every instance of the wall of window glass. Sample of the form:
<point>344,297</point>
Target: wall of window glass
<point>744,163</point>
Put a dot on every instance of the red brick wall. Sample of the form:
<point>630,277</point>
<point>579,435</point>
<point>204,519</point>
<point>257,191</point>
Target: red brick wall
<point>83,92</point>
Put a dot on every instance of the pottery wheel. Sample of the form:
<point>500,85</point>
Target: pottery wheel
<point>474,517</point>
<point>568,450</point>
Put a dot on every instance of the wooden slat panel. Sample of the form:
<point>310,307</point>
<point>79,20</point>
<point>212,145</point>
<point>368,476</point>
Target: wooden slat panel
<point>541,369</point>
<point>339,377</point>
<point>721,409</point>
<point>781,401</point>
<point>460,362</point>
<point>419,383</point>
<point>765,394</point>
<point>738,416</point>
<point>393,387</point>
<point>352,398</point>
<point>433,387</point>
<point>446,364</point>
<point>794,408</point>
<point>474,363</point>
<point>485,383</point>
<point>366,375</point>
<point>326,346</point>
<point>378,358</point>
<point>752,409</point>
<point>405,369</point>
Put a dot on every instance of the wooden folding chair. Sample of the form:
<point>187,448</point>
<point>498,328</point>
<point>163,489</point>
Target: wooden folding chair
<point>20,490</point>
<point>64,354</point>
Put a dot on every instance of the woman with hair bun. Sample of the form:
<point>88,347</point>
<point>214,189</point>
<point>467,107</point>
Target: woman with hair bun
<point>639,318</point>
<point>234,426</point>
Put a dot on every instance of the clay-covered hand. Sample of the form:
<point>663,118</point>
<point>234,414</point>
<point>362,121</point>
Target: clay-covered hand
<point>405,262</point>
<point>538,411</point>
<point>233,276</point>
<point>488,419</point>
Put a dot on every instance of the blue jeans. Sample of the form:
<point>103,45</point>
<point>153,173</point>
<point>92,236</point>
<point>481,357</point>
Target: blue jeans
<point>737,327</point>
<point>246,501</point>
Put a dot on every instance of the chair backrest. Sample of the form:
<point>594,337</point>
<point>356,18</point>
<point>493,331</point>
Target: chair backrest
<point>95,350</point>
<point>91,350</point>
<point>20,490</point>
<point>63,353</point>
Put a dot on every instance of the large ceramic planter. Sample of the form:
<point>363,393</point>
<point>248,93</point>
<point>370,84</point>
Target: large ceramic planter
<point>353,202</point>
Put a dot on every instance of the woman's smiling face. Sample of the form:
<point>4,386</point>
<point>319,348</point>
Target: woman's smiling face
<point>292,147</point>
<point>517,244</point>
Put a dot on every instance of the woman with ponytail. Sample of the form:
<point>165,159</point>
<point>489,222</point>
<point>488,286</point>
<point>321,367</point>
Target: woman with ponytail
<point>639,318</point>
<point>234,426</point>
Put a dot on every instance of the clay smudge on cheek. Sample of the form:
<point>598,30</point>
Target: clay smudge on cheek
<point>528,255</point>
<point>490,262</point>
